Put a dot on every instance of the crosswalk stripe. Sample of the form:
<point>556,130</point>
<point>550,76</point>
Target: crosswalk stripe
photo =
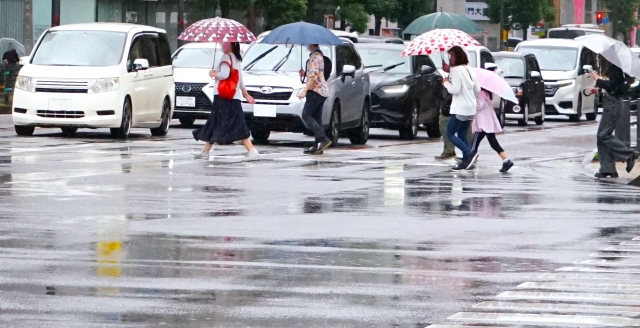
<point>552,319</point>
<point>598,270</point>
<point>558,307</point>
<point>579,286</point>
<point>589,277</point>
<point>624,249</point>
<point>559,296</point>
<point>608,263</point>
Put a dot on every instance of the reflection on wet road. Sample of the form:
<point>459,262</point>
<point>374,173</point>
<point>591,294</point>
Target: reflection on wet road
<point>101,233</point>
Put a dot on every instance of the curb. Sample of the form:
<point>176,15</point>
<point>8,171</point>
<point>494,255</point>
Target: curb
<point>589,172</point>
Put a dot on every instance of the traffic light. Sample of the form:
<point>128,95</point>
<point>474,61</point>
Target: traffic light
<point>599,17</point>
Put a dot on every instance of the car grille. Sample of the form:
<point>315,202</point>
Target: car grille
<point>60,113</point>
<point>53,90</point>
<point>270,96</point>
<point>193,90</point>
<point>550,91</point>
<point>62,85</point>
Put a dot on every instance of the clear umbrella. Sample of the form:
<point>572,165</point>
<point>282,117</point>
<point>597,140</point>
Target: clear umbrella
<point>616,52</point>
<point>7,44</point>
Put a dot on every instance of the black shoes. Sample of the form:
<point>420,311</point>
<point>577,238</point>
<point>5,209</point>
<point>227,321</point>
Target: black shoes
<point>600,175</point>
<point>506,166</point>
<point>461,166</point>
<point>323,145</point>
<point>472,160</point>
<point>311,150</point>
<point>631,162</point>
<point>318,149</point>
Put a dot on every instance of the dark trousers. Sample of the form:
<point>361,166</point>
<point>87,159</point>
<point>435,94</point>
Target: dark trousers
<point>312,115</point>
<point>457,134</point>
<point>610,148</point>
<point>479,136</point>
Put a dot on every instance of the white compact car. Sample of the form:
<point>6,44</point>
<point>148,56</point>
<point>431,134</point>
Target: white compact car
<point>565,66</point>
<point>100,75</point>
<point>191,65</point>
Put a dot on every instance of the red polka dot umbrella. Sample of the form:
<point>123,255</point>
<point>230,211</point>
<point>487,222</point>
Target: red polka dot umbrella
<point>438,40</point>
<point>217,30</point>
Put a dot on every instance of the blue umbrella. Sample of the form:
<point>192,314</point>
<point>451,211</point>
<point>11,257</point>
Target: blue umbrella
<point>302,33</point>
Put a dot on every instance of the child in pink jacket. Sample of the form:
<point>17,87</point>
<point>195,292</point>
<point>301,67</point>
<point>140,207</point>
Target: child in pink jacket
<point>486,124</point>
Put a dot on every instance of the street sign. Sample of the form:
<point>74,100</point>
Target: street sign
<point>606,20</point>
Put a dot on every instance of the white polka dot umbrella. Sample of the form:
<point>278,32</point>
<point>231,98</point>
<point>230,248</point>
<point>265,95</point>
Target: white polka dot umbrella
<point>438,40</point>
<point>217,30</point>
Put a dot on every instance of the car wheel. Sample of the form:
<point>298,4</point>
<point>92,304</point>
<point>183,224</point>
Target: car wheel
<point>576,117</point>
<point>360,135</point>
<point>525,115</point>
<point>260,134</point>
<point>125,124</point>
<point>162,130</point>
<point>433,130</point>
<point>333,133</point>
<point>411,132</point>
<point>24,131</point>
<point>187,122</point>
<point>69,131</point>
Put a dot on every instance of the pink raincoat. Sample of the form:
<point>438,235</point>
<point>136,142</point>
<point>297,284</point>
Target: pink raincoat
<point>485,119</point>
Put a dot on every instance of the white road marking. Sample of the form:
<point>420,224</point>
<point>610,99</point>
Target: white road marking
<point>584,297</point>
<point>633,311</point>
<point>546,319</point>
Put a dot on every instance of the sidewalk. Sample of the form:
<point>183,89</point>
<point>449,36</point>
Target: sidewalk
<point>632,178</point>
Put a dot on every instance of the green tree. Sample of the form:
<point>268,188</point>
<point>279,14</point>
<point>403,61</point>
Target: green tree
<point>521,12</point>
<point>381,9</point>
<point>353,15</point>
<point>280,12</point>
<point>406,11</point>
<point>621,14</point>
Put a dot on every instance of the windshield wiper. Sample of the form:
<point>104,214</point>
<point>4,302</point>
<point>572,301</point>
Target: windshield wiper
<point>373,66</point>
<point>264,54</point>
<point>283,60</point>
<point>388,68</point>
<point>513,77</point>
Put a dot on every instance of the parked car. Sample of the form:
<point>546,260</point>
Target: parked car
<point>565,66</point>
<point>405,91</point>
<point>191,65</point>
<point>479,57</point>
<point>99,75</point>
<point>522,73</point>
<point>572,31</point>
<point>379,39</point>
<point>271,77</point>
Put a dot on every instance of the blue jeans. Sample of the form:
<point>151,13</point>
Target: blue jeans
<point>457,133</point>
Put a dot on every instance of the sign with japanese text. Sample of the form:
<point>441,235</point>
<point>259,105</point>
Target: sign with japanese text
<point>475,11</point>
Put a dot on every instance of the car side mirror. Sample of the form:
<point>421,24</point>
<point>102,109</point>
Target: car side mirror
<point>535,74</point>
<point>491,67</point>
<point>140,64</point>
<point>587,68</point>
<point>426,69</point>
<point>348,70</point>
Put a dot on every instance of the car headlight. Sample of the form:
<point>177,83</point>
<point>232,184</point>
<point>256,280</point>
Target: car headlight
<point>104,85</point>
<point>395,89</point>
<point>24,83</point>
<point>563,84</point>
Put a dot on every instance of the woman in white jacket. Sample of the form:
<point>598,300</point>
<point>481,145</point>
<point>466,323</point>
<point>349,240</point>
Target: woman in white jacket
<point>463,86</point>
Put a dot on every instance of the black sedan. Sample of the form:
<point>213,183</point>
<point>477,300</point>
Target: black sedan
<point>522,73</point>
<point>405,91</point>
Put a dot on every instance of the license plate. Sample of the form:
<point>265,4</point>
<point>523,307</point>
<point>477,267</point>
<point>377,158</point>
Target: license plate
<point>186,101</point>
<point>264,110</point>
<point>59,104</point>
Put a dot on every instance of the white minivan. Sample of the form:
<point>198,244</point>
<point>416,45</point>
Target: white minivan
<point>565,66</point>
<point>100,75</point>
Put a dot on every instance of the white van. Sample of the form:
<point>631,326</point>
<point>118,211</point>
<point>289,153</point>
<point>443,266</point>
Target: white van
<point>565,66</point>
<point>100,75</point>
<point>572,31</point>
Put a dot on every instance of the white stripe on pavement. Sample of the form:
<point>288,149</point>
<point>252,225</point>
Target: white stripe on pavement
<point>585,297</point>
<point>590,276</point>
<point>546,319</point>
<point>632,311</point>
<point>580,286</point>
<point>598,270</point>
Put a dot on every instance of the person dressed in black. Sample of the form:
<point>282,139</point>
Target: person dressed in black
<point>9,69</point>
<point>610,148</point>
<point>316,91</point>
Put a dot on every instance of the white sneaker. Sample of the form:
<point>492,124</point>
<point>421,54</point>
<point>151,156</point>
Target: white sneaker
<point>201,155</point>
<point>252,155</point>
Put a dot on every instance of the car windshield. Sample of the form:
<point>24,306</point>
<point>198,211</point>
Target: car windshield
<point>80,48</point>
<point>297,58</point>
<point>196,57</point>
<point>437,58</point>
<point>512,67</point>
<point>553,58</point>
<point>566,34</point>
<point>386,58</point>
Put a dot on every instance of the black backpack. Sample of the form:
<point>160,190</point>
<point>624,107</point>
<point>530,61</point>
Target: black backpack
<point>327,68</point>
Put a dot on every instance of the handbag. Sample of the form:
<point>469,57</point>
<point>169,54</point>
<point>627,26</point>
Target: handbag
<point>227,87</point>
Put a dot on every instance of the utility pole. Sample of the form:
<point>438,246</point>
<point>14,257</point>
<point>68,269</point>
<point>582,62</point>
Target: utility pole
<point>501,25</point>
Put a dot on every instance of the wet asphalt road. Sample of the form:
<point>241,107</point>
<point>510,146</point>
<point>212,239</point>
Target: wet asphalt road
<point>104,233</point>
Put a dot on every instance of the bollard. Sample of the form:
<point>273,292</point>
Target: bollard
<point>623,126</point>
<point>638,126</point>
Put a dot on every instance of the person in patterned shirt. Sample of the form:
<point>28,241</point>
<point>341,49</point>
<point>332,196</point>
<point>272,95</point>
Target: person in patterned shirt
<point>316,91</point>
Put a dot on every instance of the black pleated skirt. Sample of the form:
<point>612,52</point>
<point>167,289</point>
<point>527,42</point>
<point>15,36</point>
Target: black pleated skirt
<point>225,125</point>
